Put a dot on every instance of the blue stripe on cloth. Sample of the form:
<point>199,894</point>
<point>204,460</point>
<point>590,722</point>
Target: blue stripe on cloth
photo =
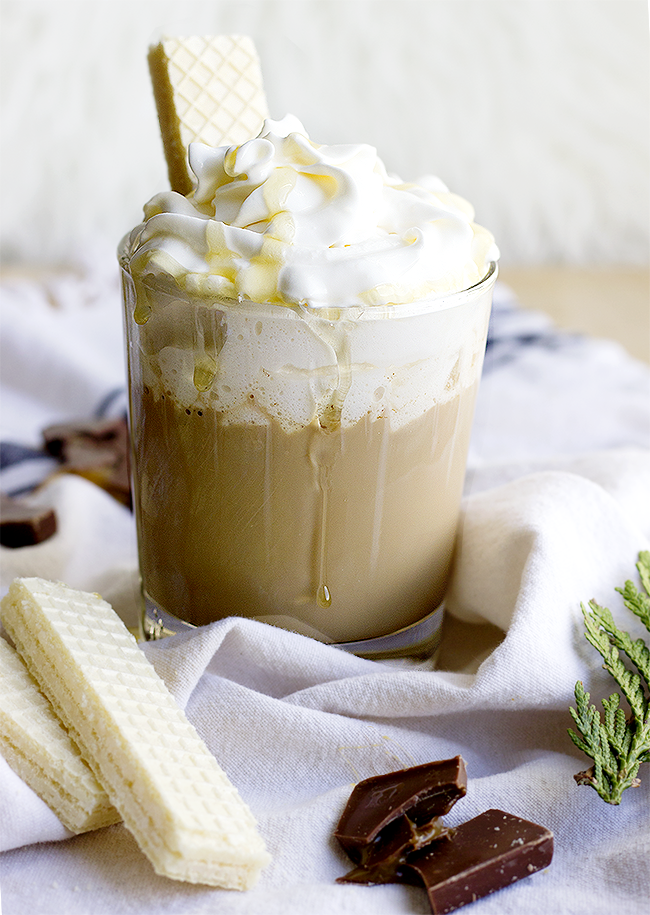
<point>513,332</point>
<point>24,476</point>
<point>113,404</point>
<point>12,453</point>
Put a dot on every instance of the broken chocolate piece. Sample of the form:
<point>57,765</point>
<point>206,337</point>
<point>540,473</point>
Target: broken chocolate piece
<point>425,791</point>
<point>486,854</point>
<point>22,524</point>
<point>97,450</point>
<point>382,860</point>
<point>389,816</point>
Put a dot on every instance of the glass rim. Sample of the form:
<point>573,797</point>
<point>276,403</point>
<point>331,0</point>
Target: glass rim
<point>435,302</point>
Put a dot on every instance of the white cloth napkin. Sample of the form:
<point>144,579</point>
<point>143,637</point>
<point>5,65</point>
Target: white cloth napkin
<point>296,723</point>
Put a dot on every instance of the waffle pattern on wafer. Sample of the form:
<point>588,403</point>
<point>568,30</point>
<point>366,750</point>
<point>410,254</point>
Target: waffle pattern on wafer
<point>180,806</point>
<point>39,749</point>
<point>207,89</point>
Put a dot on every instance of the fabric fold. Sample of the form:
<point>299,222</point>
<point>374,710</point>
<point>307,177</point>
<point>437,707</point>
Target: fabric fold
<point>553,516</point>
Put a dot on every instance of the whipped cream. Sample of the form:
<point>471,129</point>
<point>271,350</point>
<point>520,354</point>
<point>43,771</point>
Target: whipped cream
<point>282,220</point>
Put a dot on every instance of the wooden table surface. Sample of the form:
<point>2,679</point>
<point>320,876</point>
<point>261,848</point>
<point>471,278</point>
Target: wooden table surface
<point>611,302</point>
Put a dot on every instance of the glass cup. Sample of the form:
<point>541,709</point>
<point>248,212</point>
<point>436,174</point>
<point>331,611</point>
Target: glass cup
<point>300,466</point>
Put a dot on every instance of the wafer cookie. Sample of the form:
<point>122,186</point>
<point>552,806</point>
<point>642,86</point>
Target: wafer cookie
<point>207,89</point>
<point>39,749</point>
<point>180,806</point>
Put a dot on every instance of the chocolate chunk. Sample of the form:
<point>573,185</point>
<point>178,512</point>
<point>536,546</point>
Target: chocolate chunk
<point>382,860</point>
<point>22,524</point>
<point>486,854</point>
<point>389,816</point>
<point>425,791</point>
<point>97,450</point>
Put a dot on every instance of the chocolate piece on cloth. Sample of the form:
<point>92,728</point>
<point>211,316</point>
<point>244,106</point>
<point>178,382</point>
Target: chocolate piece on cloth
<point>486,854</point>
<point>389,816</point>
<point>382,861</point>
<point>97,450</point>
<point>22,524</point>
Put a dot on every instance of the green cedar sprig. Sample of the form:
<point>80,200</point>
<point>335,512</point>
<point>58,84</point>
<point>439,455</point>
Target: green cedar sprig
<point>618,744</point>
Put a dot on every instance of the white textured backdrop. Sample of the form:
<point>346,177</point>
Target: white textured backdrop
<point>536,110</point>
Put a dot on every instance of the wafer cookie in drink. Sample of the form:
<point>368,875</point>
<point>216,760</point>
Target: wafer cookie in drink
<point>183,811</point>
<point>207,89</point>
<point>39,749</point>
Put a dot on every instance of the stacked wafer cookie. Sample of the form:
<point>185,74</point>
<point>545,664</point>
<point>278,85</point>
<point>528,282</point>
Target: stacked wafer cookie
<point>172,795</point>
<point>40,750</point>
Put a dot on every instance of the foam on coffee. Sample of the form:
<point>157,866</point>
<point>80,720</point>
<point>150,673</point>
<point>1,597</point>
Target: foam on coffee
<point>332,244</point>
<point>264,352</point>
<point>281,219</point>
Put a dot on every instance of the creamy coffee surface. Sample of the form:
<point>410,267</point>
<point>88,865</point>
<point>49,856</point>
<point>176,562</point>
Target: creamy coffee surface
<point>281,219</point>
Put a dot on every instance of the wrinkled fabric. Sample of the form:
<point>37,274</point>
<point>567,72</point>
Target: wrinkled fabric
<point>296,723</point>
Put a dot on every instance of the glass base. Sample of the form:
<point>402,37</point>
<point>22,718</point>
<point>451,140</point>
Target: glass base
<point>419,640</point>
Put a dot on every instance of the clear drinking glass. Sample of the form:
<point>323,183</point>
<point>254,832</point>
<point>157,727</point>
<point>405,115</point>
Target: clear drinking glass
<point>302,467</point>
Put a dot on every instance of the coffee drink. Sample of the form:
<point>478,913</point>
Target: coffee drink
<point>299,450</point>
<point>343,535</point>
